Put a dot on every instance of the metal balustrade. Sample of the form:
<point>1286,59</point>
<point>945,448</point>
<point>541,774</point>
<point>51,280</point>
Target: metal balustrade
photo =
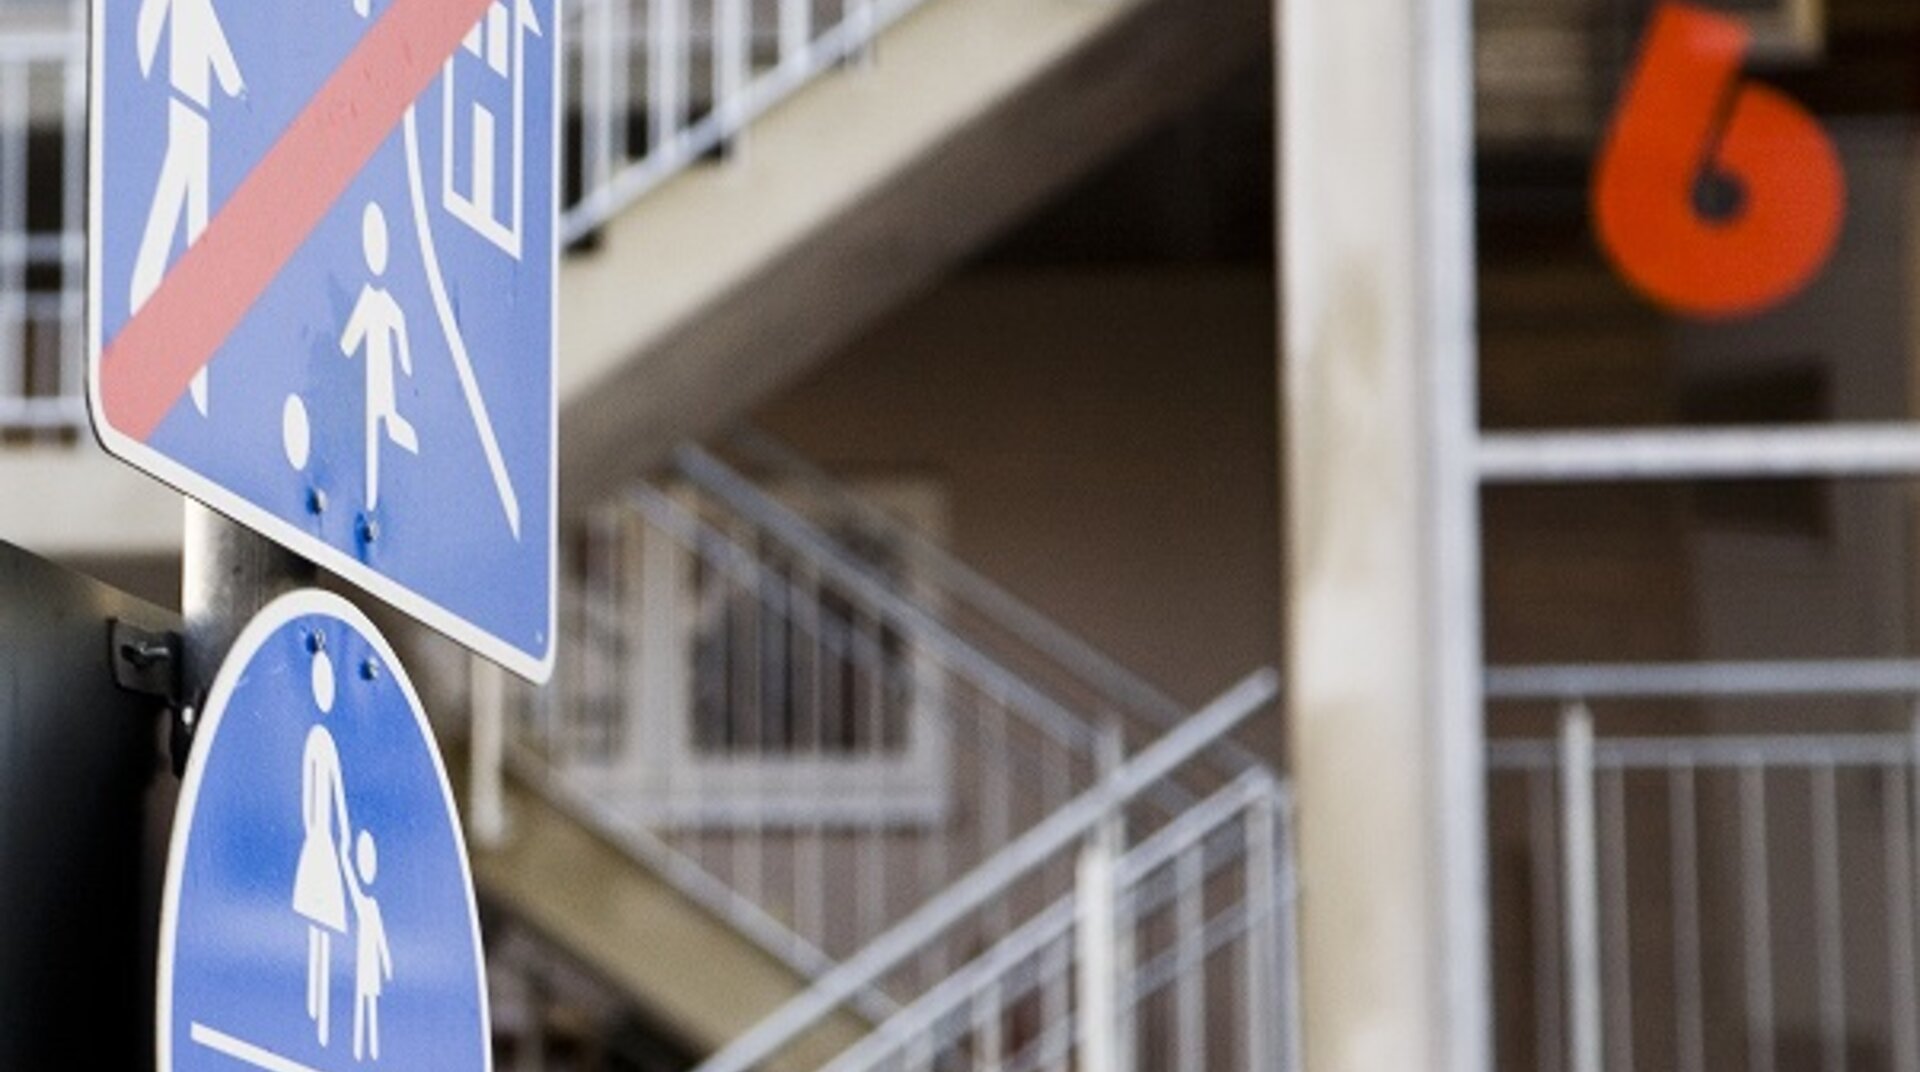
<point>1115,902</point>
<point>651,87</point>
<point>1198,953</point>
<point>793,506</point>
<point>1018,636</point>
<point>808,745</point>
<point>1735,889</point>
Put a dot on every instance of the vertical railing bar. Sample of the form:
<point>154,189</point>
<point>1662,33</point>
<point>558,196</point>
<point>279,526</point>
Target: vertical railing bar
<point>731,70</point>
<point>1549,1039</point>
<point>1688,1011</point>
<point>1907,1018</point>
<point>995,816</point>
<point>596,117</point>
<point>796,18</point>
<point>73,213</point>
<point>1619,951</point>
<point>872,705</point>
<point>1056,997</point>
<point>813,909</point>
<point>859,14</point>
<point>1756,915</point>
<point>1282,948</point>
<point>1580,855</point>
<point>619,84</point>
<point>663,33</point>
<point>742,646</point>
<point>987,1024</point>
<point>1189,923</point>
<point>681,70</point>
<point>934,863</point>
<point>1830,950</point>
<point>919,1053</point>
<point>14,103</point>
<point>1097,929</point>
<point>1902,993</point>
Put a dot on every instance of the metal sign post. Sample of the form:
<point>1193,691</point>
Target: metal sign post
<point>227,575</point>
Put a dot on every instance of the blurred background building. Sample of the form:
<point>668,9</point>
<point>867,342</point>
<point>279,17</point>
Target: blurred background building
<point>922,483</point>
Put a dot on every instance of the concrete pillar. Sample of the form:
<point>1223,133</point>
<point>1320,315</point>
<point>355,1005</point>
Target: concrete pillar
<point>1384,646</point>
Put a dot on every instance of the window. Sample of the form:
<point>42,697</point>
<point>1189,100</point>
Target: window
<point>763,693</point>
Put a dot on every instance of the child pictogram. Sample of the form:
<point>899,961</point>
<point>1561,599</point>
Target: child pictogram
<point>372,959</point>
<point>380,326</point>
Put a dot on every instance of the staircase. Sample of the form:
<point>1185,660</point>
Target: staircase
<point>797,716</point>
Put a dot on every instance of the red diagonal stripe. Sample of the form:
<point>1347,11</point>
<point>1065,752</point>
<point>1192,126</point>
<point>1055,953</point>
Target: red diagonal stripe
<point>147,367</point>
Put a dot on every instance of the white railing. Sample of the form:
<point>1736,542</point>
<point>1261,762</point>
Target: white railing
<point>801,745</point>
<point>661,84</point>
<point>1020,637</point>
<point>650,88</point>
<point>1727,879</point>
<point>1196,951</point>
<point>1114,898</point>
<point>43,96</point>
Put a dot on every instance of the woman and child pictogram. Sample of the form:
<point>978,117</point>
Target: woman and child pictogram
<point>328,880</point>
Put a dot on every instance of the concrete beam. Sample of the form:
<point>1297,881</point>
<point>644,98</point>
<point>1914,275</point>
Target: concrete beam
<point>66,501</point>
<point>694,973</point>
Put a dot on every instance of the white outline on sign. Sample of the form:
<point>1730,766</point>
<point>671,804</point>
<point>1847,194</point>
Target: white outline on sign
<point>456,342</point>
<point>287,608</point>
<point>523,19</point>
<point>537,668</point>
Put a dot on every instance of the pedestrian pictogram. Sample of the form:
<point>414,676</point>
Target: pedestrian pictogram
<point>1714,196</point>
<point>317,857</point>
<point>322,272</point>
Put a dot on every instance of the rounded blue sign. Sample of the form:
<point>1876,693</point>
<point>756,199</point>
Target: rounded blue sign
<point>319,910</point>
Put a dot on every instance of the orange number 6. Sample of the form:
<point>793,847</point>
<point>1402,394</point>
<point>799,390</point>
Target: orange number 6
<point>1715,197</point>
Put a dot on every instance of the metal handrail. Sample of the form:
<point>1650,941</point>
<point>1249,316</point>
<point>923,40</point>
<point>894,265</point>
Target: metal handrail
<point>1848,449</point>
<point>1052,923</point>
<point>1110,677</point>
<point>740,98</point>
<point>714,477</point>
<point>1697,680</point>
<point>803,958</point>
<point>1748,751</point>
<point>721,481</point>
<point>1040,844</point>
<point>1050,715</point>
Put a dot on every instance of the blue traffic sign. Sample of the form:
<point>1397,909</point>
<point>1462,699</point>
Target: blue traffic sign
<point>319,911</point>
<point>322,269</point>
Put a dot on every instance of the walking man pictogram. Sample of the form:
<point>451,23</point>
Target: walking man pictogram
<point>197,54</point>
